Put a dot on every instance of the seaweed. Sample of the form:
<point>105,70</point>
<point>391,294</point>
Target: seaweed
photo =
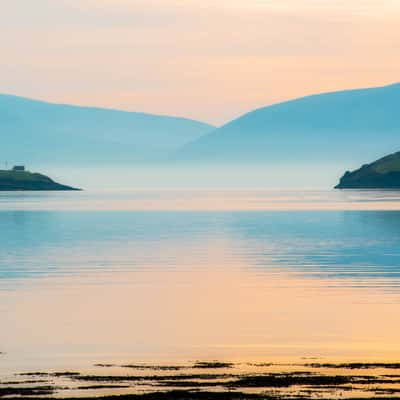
<point>31,391</point>
<point>355,365</point>
<point>286,380</point>
<point>213,364</point>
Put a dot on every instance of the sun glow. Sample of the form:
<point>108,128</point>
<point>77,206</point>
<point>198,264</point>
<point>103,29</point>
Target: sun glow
<point>220,58</point>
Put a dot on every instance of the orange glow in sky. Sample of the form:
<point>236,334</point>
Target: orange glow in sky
<point>209,60</point>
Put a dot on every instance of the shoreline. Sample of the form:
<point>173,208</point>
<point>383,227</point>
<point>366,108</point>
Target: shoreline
<point>223,380</point>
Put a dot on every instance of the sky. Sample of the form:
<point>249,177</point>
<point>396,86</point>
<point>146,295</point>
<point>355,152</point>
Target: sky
<point>210,60</point>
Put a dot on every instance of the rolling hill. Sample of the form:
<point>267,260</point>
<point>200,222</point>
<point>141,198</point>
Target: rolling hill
<point>381,174</point>
<point>38,132</point>
<point>25,180</point>
<point>340,126</point>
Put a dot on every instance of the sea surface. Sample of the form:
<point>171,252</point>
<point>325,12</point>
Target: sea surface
<point>178,276</point>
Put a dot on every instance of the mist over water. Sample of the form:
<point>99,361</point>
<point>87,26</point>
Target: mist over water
<point>199,176</point>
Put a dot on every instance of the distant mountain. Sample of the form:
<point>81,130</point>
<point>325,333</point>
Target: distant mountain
<point>381,174</point>
<point>25,180</point>
<point>39,132</point>
<point>348,125</point>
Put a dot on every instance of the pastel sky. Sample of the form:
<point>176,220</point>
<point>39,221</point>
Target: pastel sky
<point>205,59</point>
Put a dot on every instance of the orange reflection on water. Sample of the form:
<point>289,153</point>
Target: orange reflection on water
<point>204,200</point>
<point>221,311</point>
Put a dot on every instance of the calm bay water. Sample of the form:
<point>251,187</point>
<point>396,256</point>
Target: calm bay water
<point>178,275</point>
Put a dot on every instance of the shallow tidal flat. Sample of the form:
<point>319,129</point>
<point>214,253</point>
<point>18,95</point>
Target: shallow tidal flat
<point>212,380</point>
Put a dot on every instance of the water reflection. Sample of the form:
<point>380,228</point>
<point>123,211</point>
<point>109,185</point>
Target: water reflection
<point>353,245</point>
<point>202,200</point>
<point>164,285</point>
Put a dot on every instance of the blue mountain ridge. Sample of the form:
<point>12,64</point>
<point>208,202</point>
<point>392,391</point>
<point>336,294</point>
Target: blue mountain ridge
<point>351,125</point>
<point>41,132</point>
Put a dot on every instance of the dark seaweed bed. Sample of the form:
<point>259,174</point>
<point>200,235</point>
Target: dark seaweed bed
<point>212,380</point>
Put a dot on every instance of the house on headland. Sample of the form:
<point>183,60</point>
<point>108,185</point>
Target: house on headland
<point>18,168</point>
